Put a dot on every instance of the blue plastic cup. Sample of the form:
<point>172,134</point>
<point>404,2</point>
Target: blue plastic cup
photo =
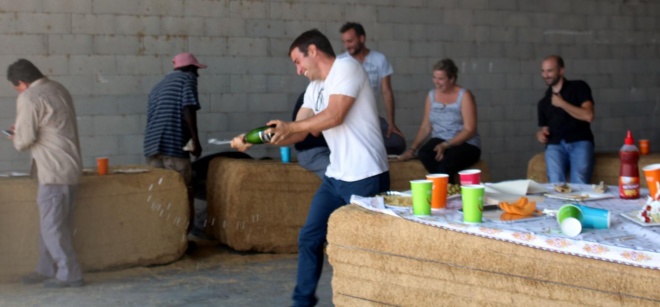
<point>285,154</point>
<point>594,217</point>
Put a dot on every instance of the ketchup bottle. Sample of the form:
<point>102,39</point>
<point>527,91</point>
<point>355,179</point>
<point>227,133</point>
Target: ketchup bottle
<point>629,172</point>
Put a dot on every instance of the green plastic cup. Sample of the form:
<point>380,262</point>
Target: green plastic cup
<point>570,219</point>
<point>473,202</point>
<point>421,196</point>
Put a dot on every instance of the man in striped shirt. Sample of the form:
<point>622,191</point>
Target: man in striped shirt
<point>172,121</point>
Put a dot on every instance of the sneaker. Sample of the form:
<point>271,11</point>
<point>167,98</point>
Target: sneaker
<point>33,278</point>
<point>56,283</point>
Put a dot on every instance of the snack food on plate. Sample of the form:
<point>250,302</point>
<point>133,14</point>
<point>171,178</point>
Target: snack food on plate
<point>600,188</point>
<point>650,213</point>
<point>563,188</point>
<point>396,200</point>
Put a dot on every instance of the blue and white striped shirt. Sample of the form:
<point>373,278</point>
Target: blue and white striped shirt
<point>166,131</point>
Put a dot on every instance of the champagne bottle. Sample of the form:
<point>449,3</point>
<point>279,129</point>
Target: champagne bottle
<point>258,136</point>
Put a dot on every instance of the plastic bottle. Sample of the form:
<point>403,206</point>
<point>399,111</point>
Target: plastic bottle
<point>258,136</point>
<point>629,172</point>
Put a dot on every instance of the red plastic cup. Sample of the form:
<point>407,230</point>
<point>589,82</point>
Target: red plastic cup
<point>470,176</point>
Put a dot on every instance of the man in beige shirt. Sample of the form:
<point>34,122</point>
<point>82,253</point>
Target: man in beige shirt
<point>46,127</point>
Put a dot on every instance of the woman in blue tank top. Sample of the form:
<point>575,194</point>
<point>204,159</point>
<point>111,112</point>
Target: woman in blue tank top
<point>450,118</point>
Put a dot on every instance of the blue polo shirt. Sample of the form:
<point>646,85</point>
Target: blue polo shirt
<point>167,132</point>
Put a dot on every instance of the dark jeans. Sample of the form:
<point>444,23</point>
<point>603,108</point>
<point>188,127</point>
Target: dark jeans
<point>455,159</point>
<point>331,195</point>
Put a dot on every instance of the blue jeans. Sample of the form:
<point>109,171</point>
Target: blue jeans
<point>331,195</point>
<point>578,157</point>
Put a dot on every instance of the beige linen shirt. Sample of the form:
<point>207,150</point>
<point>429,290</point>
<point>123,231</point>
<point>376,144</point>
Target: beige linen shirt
<point>46,126</point>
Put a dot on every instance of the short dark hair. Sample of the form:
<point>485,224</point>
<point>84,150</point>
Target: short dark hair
<point>558,59</point>
<point>449,67</point>
<point>312,37</point>
<point>23,70</point>
<point>359,29</point>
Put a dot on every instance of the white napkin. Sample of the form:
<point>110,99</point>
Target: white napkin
<point>372,203</point>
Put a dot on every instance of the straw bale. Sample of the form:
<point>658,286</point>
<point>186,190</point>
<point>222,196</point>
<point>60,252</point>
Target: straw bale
<point>258,205</point>
<point>375,260</point>
<point>606,168</point>
<point>120,220</point>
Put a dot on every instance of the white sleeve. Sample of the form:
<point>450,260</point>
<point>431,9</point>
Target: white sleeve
<point>348,79</point>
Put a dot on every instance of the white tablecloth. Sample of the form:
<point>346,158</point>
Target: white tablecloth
<point>624,242</point>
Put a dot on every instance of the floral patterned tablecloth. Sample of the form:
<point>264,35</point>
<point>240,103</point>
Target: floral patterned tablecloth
<point>624,242</point>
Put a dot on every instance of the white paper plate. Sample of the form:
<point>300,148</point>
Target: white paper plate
<point>632,217</point>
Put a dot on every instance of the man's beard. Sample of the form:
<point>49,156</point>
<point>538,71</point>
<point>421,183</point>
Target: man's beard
<point>553,81</point>
<point>357,49</point>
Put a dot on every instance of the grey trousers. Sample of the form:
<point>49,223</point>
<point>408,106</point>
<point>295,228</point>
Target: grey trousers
<point>56,255</point>
<point>315,160</point>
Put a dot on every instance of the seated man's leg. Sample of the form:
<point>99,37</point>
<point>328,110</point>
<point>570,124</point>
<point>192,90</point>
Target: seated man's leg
<point>315,160</point>
<point>581,161</point>
<point>556,162</point>
<point>458,158</point>
<point>311,242</point>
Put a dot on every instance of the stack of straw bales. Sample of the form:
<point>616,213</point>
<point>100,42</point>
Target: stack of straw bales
<point>380,259</point>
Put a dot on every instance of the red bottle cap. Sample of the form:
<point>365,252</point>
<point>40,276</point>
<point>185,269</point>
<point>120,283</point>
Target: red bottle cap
<point>629,139</point>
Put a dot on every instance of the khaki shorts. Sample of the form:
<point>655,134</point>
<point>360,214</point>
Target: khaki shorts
<point>181,165</point>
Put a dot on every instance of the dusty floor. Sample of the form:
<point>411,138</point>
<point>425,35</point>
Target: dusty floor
<point>213,275</point>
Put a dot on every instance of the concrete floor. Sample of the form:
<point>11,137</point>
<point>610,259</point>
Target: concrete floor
<point>213,275</point>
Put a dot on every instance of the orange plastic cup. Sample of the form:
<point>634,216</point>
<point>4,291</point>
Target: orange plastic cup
<point>439,190</point>
<point>652,175</point>
<point>644,147</point>
<point>102,165</point>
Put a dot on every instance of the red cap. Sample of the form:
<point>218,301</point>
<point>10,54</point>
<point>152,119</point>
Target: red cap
<point>185,59</point>
<point>629,139</point>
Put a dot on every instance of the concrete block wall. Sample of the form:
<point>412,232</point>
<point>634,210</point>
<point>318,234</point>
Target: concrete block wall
<point>110,53</point>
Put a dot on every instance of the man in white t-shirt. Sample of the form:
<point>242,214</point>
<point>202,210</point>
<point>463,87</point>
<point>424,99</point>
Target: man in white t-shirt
<point>380,72</point>
<point>339,103</point>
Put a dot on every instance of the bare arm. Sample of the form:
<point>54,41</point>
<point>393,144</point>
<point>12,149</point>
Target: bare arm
<point>469,113</point>
<point>585,112</point>
<point>332,116</point>
<point>542,134</point>
<point>388,100</point>
<point>239,143</point>
<point>190,117</point>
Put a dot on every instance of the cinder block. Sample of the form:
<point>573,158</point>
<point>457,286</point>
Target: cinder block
<point>23,44</point>
<point>214,84</point>
<point>139,25</point>
<point>474,4</point>
<point>92,64</point>
<point>39,23</point>
<point>77,85</point>
<point>165,45</point>
<point>529,35</point>
<point>182,26</point>
<point>490,50</point>
<point>249,9</point>
<point>573,51</point>
<point>248,83</point>
<point>423,49</point>
<point>95,105</point>
<point>20,6</point>
<point>96,146</point>
<point>67,6</point>
<point>520,51</point>
<point>228,103</point>
<point>363,13</point>
<point>206,8</point>
<point>93,24</point>
<point>247,47</point>
<point>132,104</point>
<point>116,44</point>
<point>117,84</point>
<point>393,30</point>
<point>504,5</point>
<point>265,28</point>
<point>130,144</point>
<point>147,7</point>
<point>212,122</point>
<point>65,44</point>
<point>208,46</point>
<point>460,17</point>
<point>117,125</point>
<point>225,27</point>
<point>268,102</point>
<point>406,15</point>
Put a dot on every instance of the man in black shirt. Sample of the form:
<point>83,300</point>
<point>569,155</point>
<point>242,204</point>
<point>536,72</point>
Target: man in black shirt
<point>564,117</point>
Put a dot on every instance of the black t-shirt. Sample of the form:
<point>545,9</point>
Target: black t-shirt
<point>562,125</point>
<point>310,141</point>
